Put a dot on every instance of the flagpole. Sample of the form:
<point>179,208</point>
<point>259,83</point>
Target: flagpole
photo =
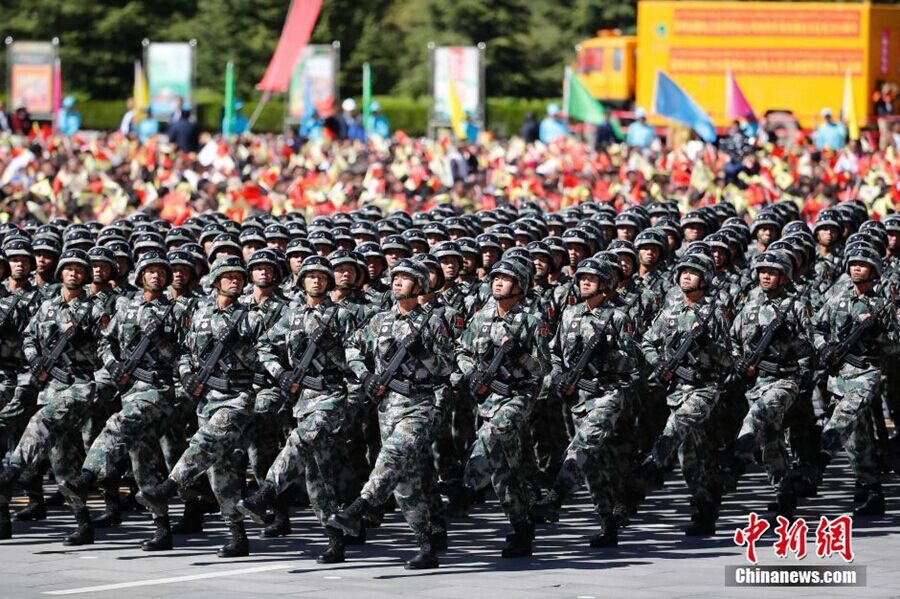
<point>567,83</point>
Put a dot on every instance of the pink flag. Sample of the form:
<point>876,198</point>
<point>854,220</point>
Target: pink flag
<point>298,27</point>
<point>736,105</point>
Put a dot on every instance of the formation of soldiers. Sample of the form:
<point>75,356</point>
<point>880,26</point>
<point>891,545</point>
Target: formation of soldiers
<point>362,361</point>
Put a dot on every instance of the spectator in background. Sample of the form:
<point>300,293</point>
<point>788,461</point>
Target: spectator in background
<point>21,121</point>
<point>4,120</point>
<point>351,126</point>
<point>831,135</point>
<point>184,132</point>
<point>640,134</point>
<point>379,126</point>
<point>147,126</point>
<point>884,99</point>
<point>604,135</point>
<point>530,128</point>
<point>471,128</point>
<point>68,121</point>
<point>127,122</point>
<point>553,126</point>
<point>239,122</point>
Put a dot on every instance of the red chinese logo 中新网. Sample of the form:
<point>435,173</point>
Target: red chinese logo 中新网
<point>832,537</point>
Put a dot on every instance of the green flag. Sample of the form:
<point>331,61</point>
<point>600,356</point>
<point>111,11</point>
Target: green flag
<point>582,106</point>
<point>367,97</point>
<point>228,121</point>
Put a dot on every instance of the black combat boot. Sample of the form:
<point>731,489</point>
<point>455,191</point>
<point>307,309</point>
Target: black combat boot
<point>609,532</point>
<point>238,546</point>
<point>162,537</point>
<point>76,490</point>
<point>426,557</point>
<point>350,519</point>
<point>112,515</point>
<point>8,477</point>
<point>458,499</point>
<point>518,544</point>
<point>334,554</point>
<point>156,498</point>
<point>438,533</point>
<point>84,534</point>
<point>281,520</point>
<point>37,508</point>
<point>191,521</point>
<point>873,505</point>
<point>255,505</point>
<point>785,504</point>
<point>5,524</point>
<point>547,508</point>
<point>704,524</point>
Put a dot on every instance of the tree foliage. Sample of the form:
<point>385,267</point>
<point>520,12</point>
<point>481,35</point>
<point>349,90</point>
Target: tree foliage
<point>528,42</point>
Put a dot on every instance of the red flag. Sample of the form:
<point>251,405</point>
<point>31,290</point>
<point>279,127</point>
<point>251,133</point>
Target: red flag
<point>297,28</point>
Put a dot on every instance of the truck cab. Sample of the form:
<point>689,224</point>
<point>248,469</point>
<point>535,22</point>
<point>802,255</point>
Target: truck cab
<point>605,64</point>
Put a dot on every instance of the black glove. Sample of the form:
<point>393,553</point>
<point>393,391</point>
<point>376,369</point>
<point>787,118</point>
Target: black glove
<point>371,387</point>
<point>560,384</point>
<point>285,381</point>
<point>38,366</point>
<point>826,359</point>
<point>115,370</point>
<point>476,382</point>
<point>189,381</point>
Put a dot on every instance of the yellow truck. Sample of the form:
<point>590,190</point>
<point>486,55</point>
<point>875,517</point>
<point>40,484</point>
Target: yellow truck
<point>785,56</point>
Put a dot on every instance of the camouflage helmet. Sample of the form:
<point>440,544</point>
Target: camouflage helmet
<point>251,235</point>
<point>892,223</point>
<point>47,244</point>
<point>79,239</point>
<point>152,258</point>
<point>598,268</point>
<point>103,254</point>
<point>860,252</point>
<point>277,232</point>
<point>828,217</point>
<point>339,257</point>
<point>467,245</point>
<point>775,259</point>
<point>701,263</point>
<point>396,243</point>
<point>652,236</point>
<point>621,247</point>
<point>317,264</point>
<point>512,269</point>
<point>181,257</point>
<point>448,249</point>
<point>576,236</point>
<point>227,264</point>
<point>19,247</point>
<point>299,246</point>
<point>611,258</point>
<point>265,257</point>
<point>74,257</point>
<point>222,242</point>
<point>432,264</point>
<point>371,250</point>
<point>488,240</point>
<point>417,270</point>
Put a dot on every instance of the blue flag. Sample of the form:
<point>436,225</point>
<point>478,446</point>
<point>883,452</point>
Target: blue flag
<point>672,102</point>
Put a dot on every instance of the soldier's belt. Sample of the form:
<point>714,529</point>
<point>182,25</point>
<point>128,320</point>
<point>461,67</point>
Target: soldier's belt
<point>239,383</point>
<point>775,368</point>
<point>261,379</point>
<point>151,377</point>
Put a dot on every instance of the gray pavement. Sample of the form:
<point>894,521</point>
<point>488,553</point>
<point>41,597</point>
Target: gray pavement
<point>654,558</point>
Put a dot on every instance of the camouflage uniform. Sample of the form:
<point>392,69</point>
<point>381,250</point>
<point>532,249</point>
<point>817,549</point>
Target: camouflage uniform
<point>405,421</point>
<point>855,381</point>
<point>313,444</point>
<point>497,455</point>
<point>610,378</point>
<point>692,397</point>
<point>786,361</point>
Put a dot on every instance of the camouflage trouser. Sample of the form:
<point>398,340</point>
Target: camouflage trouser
<point>264,433</point>
<point>496,457</point>
<point>892,389</point>
<point>173,436</point>
<point>134,430</point>
<point>405,439</point>
<point>547,432</point>
<point>223,419</point>
<point>106,405</point>
<point>687,431</point>
<point>763,426</point>
<point>454,438</point>
<point>7,391</point>
<point>19,407</point>
<point>55,430</point>
<point>356,446</point>
<point>312,446</point>
<point>850,424</point>
<point>586,458</point>
<point>806,435</point>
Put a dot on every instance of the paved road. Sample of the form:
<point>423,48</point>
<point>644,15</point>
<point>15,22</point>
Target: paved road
<point>653,559</point>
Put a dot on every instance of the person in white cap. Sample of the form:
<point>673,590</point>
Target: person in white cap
<point>640,134</point>
<point>351,125</point>
<point>831,135</point>
<point>553,126</point>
